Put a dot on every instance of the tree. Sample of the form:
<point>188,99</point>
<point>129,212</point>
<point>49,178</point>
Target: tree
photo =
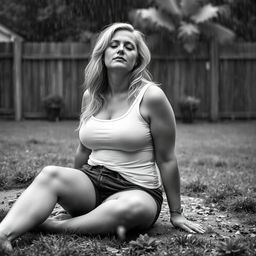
<point>186,19</point>
<point>62,20</point>
<point>242,18</point>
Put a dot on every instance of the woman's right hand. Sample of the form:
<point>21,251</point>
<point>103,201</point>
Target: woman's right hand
<point>180,221</point>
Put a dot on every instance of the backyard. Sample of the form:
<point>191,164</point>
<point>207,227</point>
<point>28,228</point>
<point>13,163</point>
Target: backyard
<point>218,176</point>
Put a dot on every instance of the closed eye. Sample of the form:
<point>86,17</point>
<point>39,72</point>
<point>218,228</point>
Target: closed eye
<point>129,46</point>
<point>113,44</point>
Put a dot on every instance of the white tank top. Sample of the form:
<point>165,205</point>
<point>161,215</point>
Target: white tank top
<point>124,145</point>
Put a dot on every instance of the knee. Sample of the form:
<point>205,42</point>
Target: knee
<point>48,174</point>
<point>133,208</point>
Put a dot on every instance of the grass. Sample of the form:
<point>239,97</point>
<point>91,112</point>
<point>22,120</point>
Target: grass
<point>217,163</point>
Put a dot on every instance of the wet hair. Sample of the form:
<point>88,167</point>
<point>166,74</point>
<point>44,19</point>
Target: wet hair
<point>96,82</point>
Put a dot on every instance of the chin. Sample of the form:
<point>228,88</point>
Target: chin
<point>119,67</point>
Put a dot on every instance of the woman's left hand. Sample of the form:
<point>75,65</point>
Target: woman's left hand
<point>180,221</point>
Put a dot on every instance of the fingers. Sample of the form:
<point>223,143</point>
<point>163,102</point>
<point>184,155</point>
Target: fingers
<point>186,228</point>
<point>198,228</point>
<point>192,227</point>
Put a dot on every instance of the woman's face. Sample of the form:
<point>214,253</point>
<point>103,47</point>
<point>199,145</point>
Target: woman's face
<point>122,51</point>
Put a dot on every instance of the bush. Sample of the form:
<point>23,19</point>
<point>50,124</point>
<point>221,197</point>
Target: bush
<point>144,244</point>
<point>53,101</point>
<point>53,105</point>
<point>188,240</point>
<point>232,248</point>
<point>188,106</point>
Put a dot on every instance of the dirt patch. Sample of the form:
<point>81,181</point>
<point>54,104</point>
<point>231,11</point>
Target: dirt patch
<point>218,224</point>
<point>8,197</point>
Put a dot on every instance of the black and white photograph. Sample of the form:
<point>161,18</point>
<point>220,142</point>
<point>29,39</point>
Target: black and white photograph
<point>127,127</point>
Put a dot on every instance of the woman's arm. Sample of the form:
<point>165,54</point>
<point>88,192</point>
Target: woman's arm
<point>82,153</point>
<point>163,129</point>
<point>81,156</point>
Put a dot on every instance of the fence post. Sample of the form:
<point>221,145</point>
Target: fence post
<point>214,80</point>
<point>17,77</point>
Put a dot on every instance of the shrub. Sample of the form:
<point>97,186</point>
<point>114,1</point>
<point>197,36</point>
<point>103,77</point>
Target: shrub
<point>188,240</point>
<point>188,106</point>
<point>53,105</point>
<point>53,101</point>
<point>232,248</point>
<point>143,244</point>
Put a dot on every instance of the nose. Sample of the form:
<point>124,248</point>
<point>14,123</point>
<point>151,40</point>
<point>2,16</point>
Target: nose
<point>120,49</point>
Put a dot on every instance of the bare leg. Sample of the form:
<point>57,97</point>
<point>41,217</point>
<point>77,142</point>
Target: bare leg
<point>75,192</point>
<point>128,209</point>
<point>70,187</point>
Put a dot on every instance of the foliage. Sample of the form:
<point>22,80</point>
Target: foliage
<point>188,240</point>
<point>232,248</point>
<point>243,18</point>
<point>53,104</point>
<point>188,106</point>
<point>53,101</point>
<point>63,20</point>
<point>143,244</point>
<point>184,19</point>
<point>189,102</point>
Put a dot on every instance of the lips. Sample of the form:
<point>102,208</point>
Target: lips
<point>120,58</point>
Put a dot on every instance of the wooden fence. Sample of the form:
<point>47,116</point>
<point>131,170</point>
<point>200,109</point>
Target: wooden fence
<point>223,77</point>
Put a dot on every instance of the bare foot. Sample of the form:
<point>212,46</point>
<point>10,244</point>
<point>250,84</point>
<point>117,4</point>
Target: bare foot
<point>121,232</point>
<point>5,244</point>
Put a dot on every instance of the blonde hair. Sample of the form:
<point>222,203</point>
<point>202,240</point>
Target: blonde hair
<point>96,82</point>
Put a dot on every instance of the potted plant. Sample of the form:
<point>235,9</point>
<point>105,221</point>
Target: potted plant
<point>188,106</point>
<point>53,104</point>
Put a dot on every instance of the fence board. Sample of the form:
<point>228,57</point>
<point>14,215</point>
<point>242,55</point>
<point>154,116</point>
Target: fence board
<point>237,80</point>
<point>55,68</point>
<point>59,68</point>
<point>183,77</point>
<point>6,79</point>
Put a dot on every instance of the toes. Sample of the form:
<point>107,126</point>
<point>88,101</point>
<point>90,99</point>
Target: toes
<point>121,232</point>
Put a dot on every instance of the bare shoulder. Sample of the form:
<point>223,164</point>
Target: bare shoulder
<point>155,105</point>
<point>155,96</point>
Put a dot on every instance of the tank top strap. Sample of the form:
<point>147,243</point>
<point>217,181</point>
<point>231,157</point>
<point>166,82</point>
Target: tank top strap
<point>141,94</point>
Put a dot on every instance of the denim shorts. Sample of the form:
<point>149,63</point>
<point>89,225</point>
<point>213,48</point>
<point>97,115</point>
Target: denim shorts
<point>107,183</point>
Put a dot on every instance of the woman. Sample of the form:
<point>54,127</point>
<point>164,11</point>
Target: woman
<point>126,152</point>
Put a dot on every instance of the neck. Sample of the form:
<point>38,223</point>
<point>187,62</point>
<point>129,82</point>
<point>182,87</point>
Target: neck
<point>118,82</point>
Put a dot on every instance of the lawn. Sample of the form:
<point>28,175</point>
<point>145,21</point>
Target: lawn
<point>218,176</point>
